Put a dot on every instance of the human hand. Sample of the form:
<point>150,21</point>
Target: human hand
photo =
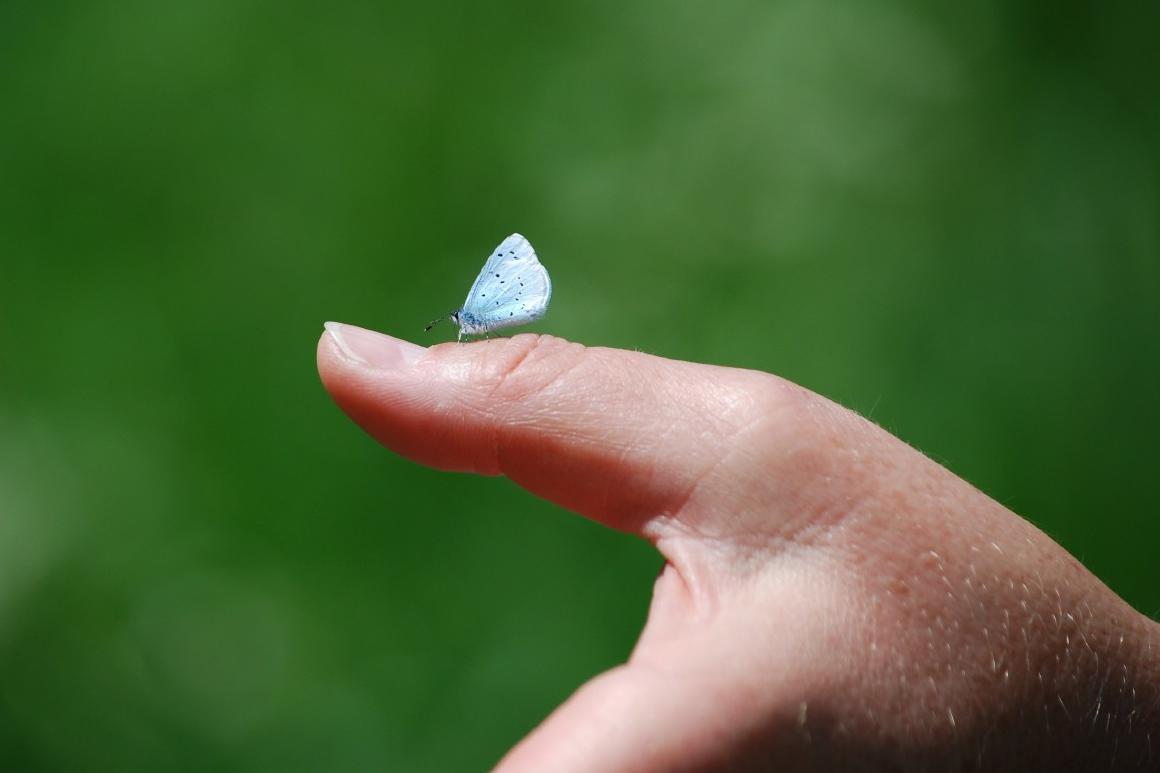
<point>832,599</point>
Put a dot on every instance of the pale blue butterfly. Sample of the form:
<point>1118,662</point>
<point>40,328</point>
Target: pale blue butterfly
<point>512,289</point>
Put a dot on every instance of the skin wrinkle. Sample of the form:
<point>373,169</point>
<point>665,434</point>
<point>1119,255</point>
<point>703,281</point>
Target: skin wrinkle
<point>647,470</point>
<point>728,435</point>
<point>454,413</point>
<point>515,381</point>
<point>814,511</point>
<point>761,549</point>
<point>704,564</point>
<point>515,364</point>
<point>683,512</point>
<point>516,376</point>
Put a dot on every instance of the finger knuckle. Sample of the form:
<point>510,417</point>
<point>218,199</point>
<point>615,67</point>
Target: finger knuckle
<point>527,365</point>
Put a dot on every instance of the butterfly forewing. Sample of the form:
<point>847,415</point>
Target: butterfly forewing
<point>513,287</point>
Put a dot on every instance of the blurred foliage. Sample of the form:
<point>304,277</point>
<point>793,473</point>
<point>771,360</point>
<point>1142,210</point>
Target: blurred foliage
<point>946,216</point>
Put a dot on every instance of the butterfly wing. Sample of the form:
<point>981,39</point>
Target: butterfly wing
<point>513,288</point>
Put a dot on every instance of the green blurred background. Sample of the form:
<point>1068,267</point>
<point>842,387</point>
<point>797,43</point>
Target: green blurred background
<point>943,215</point>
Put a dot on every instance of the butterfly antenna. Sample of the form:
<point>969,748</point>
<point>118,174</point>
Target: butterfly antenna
<point>437,320</point>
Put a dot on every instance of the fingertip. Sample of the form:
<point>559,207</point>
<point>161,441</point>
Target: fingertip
<point>367,348</point>
<point>327,354</point>
<point>368,373</point>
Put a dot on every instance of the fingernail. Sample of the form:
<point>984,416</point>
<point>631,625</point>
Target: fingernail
<point>375,350</point>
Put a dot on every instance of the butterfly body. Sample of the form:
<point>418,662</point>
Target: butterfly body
<point>512,289</point>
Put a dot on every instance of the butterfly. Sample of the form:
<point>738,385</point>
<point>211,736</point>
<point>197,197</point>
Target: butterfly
<point>512,289</point>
